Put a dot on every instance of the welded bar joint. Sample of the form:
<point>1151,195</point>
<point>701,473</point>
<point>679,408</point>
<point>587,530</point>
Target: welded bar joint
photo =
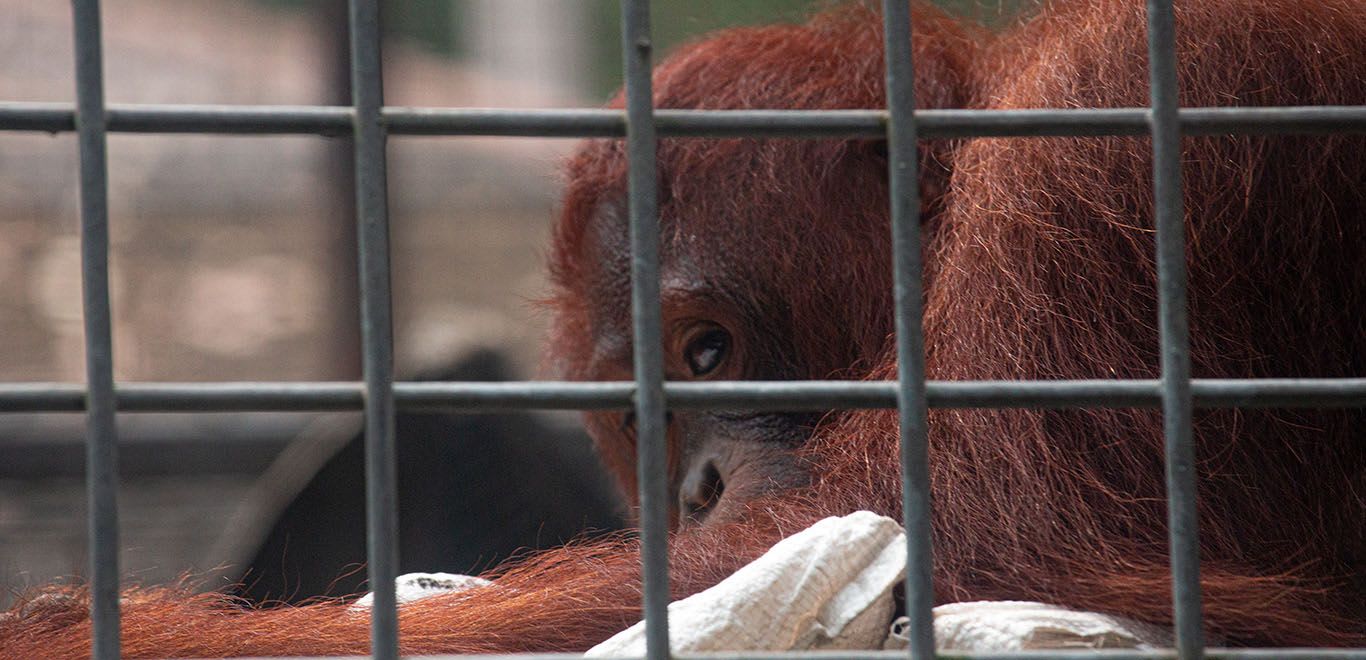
<point>1174,331</point>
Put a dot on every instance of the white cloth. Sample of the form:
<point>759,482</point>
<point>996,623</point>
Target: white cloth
<point>830,587</point>
<point>1024,626</point>
<point>826,587</point>
<point>412,586</point>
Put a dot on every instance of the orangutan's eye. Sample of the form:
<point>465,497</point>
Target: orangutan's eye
<point>707,351</point>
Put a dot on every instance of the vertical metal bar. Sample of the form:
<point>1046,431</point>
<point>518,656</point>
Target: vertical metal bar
<point>904,176</point>
<point>101,442</point>
<point>1171,276</point>
<point>381,497</point>
<point>651,465</point>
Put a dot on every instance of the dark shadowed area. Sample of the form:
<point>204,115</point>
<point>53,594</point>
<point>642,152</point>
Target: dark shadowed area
<point>473,491</point>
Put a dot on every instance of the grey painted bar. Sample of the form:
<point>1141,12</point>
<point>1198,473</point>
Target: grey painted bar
<point>372,208</point>
<point>913,413</point>
<point>749,395</point>
<point>1174,330</point>
<point>651,427</point>
<point>101,476</point>
<point>575,123</point>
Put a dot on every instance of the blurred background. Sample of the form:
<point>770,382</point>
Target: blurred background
<point>233,258</point>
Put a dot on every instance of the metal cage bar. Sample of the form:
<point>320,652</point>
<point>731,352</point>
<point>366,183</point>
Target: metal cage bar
<point>903,159</point>
<point>372,216</point>
<point>646,322</point>
<point>101,480</point>
<point>379,396</point>
<point>757,395</point>
<point>1173,331</point>
<point>336,120</point>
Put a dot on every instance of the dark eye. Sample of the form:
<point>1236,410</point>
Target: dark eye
<point>707,351</point>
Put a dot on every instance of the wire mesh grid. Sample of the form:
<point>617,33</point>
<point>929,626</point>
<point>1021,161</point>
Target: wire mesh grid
<point>1176,393</point>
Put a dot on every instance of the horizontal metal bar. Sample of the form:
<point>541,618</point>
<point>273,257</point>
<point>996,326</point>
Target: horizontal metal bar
<point>131,118</point>
<point>319,396</point>
<point>749,395</point>
<point>505,123</point>
<point>1134,121</point>
<point>773,123</point>
<point>336,120</point>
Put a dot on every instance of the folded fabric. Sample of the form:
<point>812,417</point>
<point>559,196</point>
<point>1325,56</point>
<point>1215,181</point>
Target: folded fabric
<point>1009,625</point>
<point>829,587</point>
<point>826,587</point>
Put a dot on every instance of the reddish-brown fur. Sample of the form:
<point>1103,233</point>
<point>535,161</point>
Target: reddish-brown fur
<point>1039,265</point>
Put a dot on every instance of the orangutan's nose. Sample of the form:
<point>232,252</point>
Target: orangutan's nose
<point>699,493</point>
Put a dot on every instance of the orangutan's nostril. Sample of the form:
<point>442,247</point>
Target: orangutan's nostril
<point>701,491</point>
